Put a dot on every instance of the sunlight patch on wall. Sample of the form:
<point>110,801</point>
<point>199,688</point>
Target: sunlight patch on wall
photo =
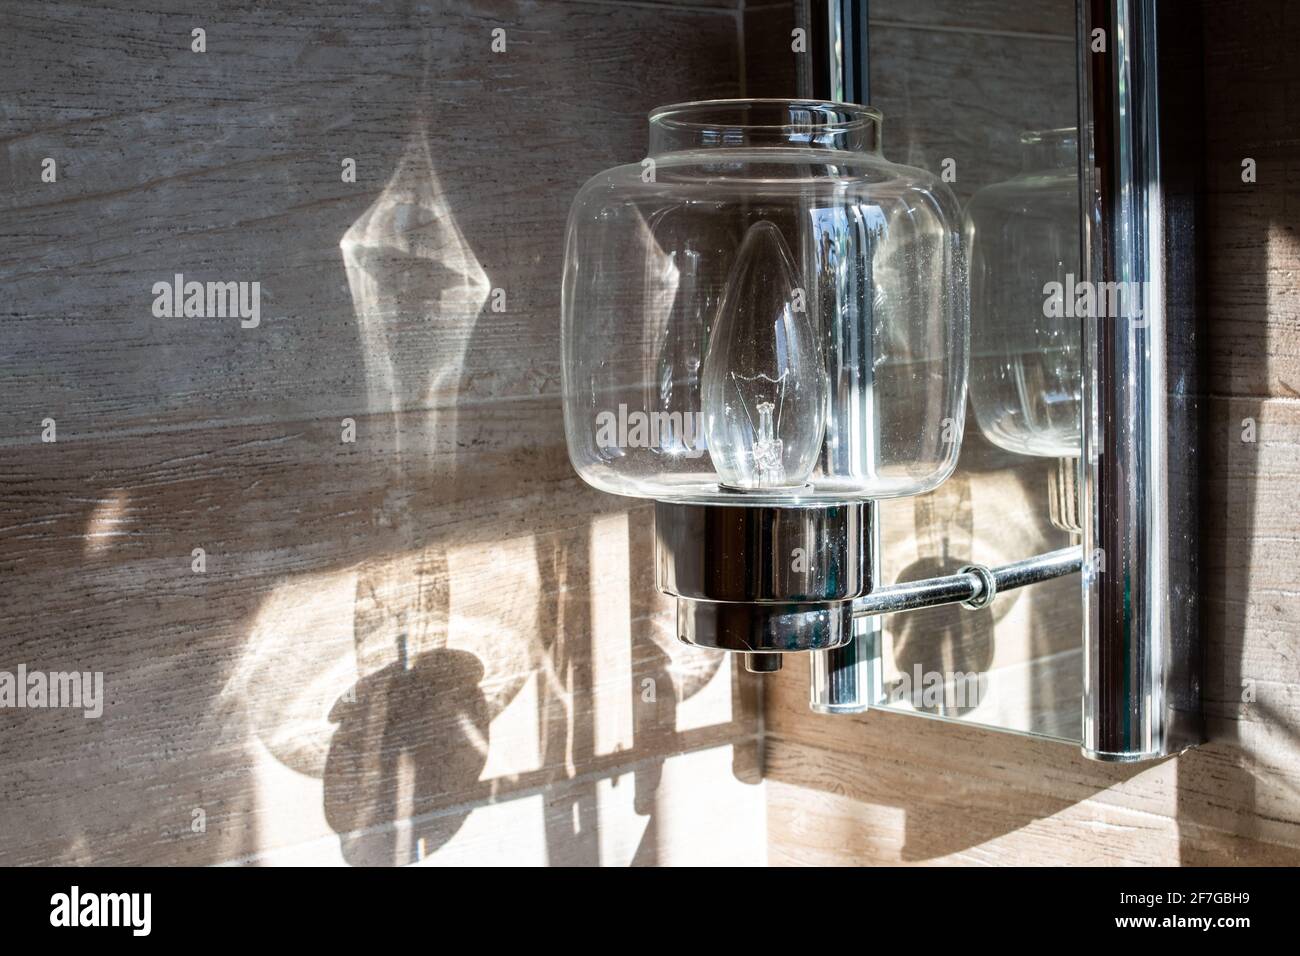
<point>620,828</point>
<point>298,661</point>
<point>416,286</point>
<point>611,636</point>
<point>514,745</point>
<point>705,816</point>
<point>107,521</point>
<point>711,703</point>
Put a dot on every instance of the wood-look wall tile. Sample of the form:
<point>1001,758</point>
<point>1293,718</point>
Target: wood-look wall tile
<point>683,809</point>
<point>226,166</point>
<point>1253,254</point>
<point>361,606</point>
<point>1055,17</point>
<point>434,617</point>
<point>770,60</point>
<point>852,813</point>
<point>968,97</point>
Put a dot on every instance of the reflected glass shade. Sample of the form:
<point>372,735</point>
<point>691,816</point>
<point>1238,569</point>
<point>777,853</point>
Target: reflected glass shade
<point>764,311</point>
<point>1022,238</point>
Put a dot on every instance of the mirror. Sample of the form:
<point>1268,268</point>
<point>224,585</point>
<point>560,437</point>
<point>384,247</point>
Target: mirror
<point>992,107</point>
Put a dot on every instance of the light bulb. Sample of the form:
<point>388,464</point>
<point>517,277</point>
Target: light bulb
<point>764,383</point>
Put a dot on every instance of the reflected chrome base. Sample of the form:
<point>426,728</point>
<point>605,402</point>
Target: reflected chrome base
<point>1127,756</point>
<point>844,680</point>
<point>763,580</point>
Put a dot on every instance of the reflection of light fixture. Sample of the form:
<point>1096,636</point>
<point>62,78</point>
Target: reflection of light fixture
<point>830,369</point>
<point>1026,383</point>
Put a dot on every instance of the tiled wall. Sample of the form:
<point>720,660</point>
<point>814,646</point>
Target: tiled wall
<point>431,642</point>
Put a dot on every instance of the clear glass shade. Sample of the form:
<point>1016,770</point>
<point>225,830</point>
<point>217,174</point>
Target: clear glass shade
<point>764,311</point>
<point>1022,238</point>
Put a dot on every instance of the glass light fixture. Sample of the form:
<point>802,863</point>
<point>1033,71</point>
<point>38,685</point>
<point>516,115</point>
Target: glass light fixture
<point>764,327</point>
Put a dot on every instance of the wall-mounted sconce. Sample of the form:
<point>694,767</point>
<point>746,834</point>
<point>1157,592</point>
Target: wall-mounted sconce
<point>765,330</point>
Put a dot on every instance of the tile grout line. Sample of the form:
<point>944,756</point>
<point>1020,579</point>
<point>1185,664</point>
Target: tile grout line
<point>972,31</point>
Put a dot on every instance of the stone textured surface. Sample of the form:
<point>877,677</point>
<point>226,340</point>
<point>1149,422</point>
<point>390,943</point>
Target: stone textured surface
<point>430,644</point>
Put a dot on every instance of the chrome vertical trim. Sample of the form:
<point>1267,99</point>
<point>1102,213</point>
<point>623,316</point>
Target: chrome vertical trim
<point>847,679</point>
<point>835,68</point>
<point>1141,696</point>
<point>843,680</point>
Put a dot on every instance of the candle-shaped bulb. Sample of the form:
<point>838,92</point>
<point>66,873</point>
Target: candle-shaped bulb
<point>764,382</point>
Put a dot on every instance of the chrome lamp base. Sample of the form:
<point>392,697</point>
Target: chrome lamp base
<point>763,581</point>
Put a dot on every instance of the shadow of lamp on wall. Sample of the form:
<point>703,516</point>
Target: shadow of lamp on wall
<point>372,639</point>
<point>398,690</point>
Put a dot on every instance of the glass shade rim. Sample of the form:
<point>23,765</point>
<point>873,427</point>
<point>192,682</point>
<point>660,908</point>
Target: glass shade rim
<point>836,117</point>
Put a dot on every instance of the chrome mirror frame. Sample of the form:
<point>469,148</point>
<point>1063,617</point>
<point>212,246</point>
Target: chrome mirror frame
<point>1138,489</point>
<point>1139,182</point>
